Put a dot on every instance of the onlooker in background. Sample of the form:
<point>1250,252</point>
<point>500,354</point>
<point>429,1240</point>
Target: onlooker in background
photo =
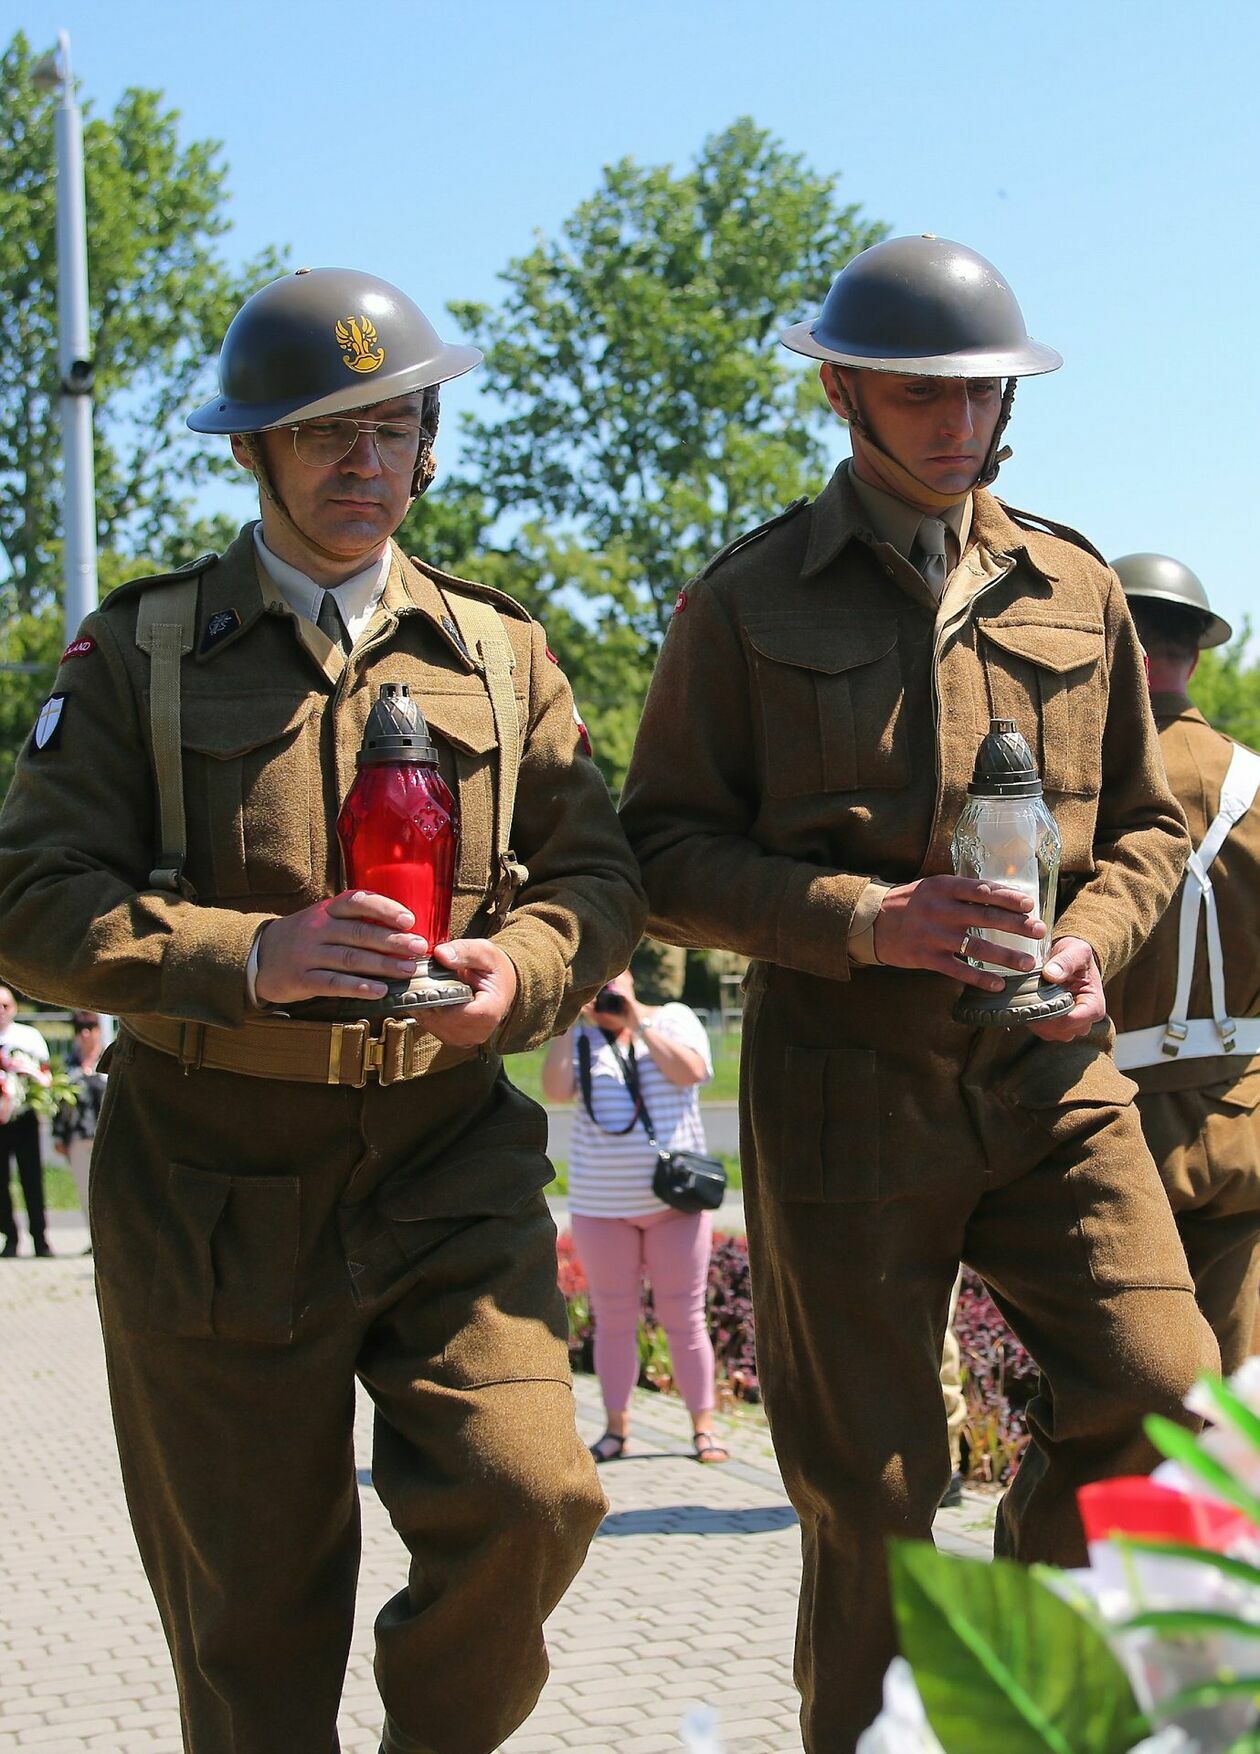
<point>1187,1007</point>
<point>74,1126</point>
<point>23,1057</point>
<point>642,1061</point>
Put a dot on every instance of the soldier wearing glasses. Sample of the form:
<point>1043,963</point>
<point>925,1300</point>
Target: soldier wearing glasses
<point>282,1203</point>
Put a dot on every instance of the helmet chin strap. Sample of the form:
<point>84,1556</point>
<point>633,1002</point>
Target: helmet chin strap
<point>908,486</point>
<point>421,480</point>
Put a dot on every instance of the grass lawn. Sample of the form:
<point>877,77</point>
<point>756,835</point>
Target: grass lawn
<point>525,1071</point>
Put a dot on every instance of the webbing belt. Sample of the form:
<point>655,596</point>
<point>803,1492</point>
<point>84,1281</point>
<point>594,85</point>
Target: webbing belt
<point>294,1050</point>
<point>1199,1038</point>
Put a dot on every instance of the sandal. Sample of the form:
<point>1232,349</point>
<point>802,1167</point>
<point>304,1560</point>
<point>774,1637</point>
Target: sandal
<point>608,1447</point>
<point>707,1447</point>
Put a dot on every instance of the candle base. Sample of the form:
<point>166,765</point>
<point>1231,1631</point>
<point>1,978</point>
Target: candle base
<point>429,987</point>
<point>1024,998</point>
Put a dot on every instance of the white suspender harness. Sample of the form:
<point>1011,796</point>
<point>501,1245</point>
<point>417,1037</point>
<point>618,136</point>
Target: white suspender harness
<point>1198,1038</point>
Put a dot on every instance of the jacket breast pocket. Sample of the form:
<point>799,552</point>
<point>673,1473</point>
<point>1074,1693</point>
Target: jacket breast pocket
<point>252,790</point>
<point>830,693</point>
<point>1050,679</point>
<point>830,1139</point>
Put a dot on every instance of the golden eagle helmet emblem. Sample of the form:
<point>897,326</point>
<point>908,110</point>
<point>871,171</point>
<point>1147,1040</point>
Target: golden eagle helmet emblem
<point>360,345</point>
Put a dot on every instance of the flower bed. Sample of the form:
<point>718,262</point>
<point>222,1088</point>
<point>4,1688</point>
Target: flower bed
<point>998,1379</point>
<point>998,1375</point>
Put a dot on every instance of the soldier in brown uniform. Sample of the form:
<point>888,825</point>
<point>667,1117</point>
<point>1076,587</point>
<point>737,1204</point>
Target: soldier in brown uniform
<point>282,1203</point>
<point>1187,1008</point>
<point>803,757</point>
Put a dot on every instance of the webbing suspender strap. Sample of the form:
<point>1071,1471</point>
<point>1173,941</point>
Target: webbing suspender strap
<point>491,651</point>
<point>165,628</point>
<point>1183,1037</point>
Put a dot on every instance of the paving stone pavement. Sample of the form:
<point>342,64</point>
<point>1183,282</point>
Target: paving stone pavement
<point>688,1595</point>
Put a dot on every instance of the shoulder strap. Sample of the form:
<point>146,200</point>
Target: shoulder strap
<point>1047,526</point>
<point>491,652</point>
<point>629,1072</point>
<point>1238,792</point>
<point>166,623</point>
<point>753,535</point>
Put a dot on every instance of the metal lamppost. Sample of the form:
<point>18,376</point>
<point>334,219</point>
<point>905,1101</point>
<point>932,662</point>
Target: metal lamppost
<point>52,74</point>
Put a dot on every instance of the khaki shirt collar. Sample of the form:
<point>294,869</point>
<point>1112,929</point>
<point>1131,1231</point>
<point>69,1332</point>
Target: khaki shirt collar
<point>897,522</point>
<point>239,590</point>
<point>838,515</point>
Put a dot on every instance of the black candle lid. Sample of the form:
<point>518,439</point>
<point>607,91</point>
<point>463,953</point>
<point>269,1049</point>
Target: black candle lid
<point>1004,764</point>
<point>396,730</point>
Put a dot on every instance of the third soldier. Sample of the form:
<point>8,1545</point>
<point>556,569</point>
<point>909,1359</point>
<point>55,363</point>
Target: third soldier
<point>1187,1008</point>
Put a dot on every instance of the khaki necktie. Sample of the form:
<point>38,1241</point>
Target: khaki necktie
<point>330,624</point>
<point>928,555</point>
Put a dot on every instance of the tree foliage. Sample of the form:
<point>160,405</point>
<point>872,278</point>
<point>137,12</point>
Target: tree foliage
<point>1226,689</point>
<point>643,415</point>
<point>160,299</point>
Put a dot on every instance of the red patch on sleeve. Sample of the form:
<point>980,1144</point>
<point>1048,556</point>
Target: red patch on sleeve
<point>584,736</point>
<point>551,656</point>
<point>79,648</point>
<point>681,603</point>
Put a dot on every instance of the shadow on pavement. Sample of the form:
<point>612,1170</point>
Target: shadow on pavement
<point>698,1519</point>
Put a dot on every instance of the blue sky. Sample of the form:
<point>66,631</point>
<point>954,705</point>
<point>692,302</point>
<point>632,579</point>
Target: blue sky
<point>1104,156</point>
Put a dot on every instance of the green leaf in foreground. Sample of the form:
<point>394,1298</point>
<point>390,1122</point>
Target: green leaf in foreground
<point>1003,1665</point>
<point>1182,1446</point>
<point>1190,1623</point>
<point>1231,1408</point>
<point>1225,1563</point>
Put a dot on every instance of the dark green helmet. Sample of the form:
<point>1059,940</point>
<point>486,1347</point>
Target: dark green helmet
<point>927,307</point>
<point>1168,581</point>
<point>324,341</point>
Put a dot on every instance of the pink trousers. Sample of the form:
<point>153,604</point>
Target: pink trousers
<point>673,1249</point>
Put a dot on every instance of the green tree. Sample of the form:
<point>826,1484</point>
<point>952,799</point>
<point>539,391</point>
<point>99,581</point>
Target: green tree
<point>1226,689</point>
<point>642,414</point>
<point>160,298</point>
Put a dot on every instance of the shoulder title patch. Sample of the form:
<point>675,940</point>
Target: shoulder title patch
<point>79,648</point>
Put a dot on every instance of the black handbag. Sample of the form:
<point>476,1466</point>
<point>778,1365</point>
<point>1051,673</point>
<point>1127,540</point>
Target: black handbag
<point>686,1180</point>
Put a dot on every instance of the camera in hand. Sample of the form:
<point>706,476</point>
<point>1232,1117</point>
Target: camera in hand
<point>610,1000</point>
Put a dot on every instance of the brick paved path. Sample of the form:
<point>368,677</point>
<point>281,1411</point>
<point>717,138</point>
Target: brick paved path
<point>688,1595</point>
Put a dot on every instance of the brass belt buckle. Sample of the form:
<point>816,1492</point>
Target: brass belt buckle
<point>355,1037</point>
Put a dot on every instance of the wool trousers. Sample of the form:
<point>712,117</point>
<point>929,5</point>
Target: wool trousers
<point>868,1175</point>
<point>256,1255</point>
<point>1206,1145</point>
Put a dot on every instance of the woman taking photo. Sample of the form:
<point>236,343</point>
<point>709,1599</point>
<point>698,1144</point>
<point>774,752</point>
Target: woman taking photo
<point>620,1229</point>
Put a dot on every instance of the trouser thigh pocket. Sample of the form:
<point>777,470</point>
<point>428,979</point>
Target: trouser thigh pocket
<point>829,1146</point>
<point>225,1263</point>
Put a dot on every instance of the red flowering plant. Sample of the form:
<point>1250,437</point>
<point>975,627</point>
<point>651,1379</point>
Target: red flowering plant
<point>998,1380</point>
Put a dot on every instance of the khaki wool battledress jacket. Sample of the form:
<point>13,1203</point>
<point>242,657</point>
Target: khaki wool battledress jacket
<point>1200,1116</point>
<point>1196,758</point>
<point>272,717</point>
<point>811,728</point>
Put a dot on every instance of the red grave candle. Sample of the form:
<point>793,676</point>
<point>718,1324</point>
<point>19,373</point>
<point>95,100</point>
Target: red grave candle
<point>399,825</point>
